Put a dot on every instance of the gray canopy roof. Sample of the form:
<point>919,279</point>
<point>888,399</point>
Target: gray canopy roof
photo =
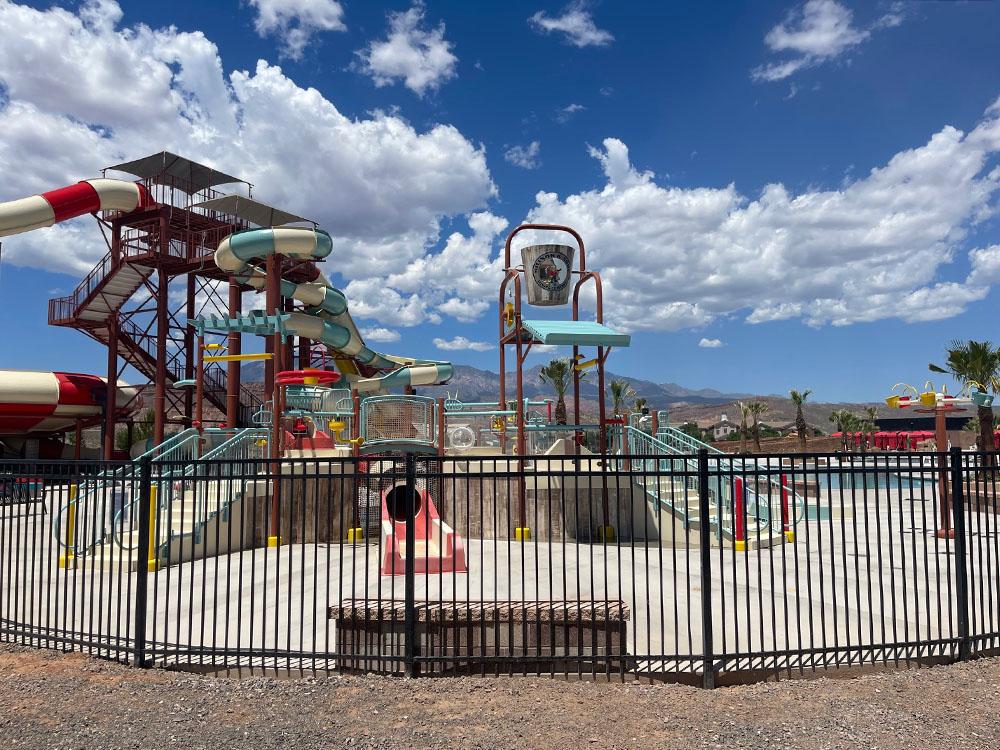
<point>160,167</point>
<point>250,210</point>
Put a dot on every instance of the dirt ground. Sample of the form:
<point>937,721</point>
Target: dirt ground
<point>50,700</point>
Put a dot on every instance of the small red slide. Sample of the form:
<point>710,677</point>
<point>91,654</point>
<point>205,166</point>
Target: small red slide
<point>437,548</point>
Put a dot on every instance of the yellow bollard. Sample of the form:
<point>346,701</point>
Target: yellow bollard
<point>355,535</point>
<point>153,560</point>
<point>522,534</point>
<point>67,560</point>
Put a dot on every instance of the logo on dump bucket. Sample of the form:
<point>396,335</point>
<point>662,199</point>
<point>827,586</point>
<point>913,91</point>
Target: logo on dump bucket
<point>550,271</point>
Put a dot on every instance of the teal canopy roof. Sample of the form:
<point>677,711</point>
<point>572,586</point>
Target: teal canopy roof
<point>575,333</point>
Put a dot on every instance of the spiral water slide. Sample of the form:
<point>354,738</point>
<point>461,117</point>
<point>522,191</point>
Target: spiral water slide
<point>326,318</point>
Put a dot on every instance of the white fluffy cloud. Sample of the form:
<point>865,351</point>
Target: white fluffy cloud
<point>819,31</point>
<point>296,21</point>
<point>460,343</point>
<point>710,343</point>
<point>84,92</point>
<point>673,258</point>
<point>419,57</point>
<point>565,114</point>
<point>575,24</point>
<point>525,157</point>
<point>380,335</point>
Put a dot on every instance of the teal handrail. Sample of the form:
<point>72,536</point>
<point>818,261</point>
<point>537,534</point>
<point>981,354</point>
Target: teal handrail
<point>670,441</point>
<point>232,447</point>
<point>92,496</point>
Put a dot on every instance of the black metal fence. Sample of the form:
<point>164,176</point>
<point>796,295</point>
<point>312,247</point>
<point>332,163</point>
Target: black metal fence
<point>701,568</point>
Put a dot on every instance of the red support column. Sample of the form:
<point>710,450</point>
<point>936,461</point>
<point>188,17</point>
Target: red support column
<point>739,516</point>
<point>944,503</point>
<point>233,368</point>
<point>272,306</point>
<point>111,390</point>
<point>199,402</point>
<point>162,328</point>
<point>786,525</point>
<point>189,351</point>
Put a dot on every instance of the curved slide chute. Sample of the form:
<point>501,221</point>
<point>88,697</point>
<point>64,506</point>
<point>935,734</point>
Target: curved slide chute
<point>68,202</point>
<point>48,402</point>
<point>327,320</point>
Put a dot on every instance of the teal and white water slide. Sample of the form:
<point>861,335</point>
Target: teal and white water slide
<point>326,318</point>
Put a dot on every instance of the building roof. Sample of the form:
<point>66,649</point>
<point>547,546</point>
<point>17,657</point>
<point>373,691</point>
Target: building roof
<point>722,422</point>
<point>191,175</point>
<point>250,210</point>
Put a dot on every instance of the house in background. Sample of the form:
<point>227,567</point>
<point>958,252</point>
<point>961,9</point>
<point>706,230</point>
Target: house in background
<point>722,429</point>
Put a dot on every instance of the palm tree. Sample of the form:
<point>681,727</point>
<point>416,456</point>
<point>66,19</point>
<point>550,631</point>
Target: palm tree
<point>757,410</point>
<point>559,373</point>
<point>799,398</point>
<point>976,364</point>
<point>846,423</point>
<point>621,394</point>
<point>871,417</point>
<point>640,404</point>
<point>744,416</point>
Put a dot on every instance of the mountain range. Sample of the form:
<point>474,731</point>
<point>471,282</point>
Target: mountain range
<point>473,384</point>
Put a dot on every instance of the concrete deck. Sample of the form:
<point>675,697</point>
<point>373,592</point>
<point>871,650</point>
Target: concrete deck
<point>875,575</point>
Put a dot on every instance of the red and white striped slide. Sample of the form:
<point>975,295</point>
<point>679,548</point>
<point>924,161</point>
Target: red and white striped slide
<point>85,197</point>
<point>46,402</point>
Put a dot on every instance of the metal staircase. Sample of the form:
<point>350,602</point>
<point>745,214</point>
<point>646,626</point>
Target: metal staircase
<point>672,452</point>
<point>91,308</point>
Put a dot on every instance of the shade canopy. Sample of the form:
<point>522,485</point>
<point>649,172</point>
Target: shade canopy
<point>250,210</point>
<point>160,167</point>
<point>574,333</point>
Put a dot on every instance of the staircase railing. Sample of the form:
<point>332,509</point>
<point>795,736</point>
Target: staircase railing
<point>759,511</point>
<point>101,499</point>
<point>62,308</point>
<point>190,493</point>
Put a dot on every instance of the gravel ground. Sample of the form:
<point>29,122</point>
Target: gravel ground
<point>50,700</point>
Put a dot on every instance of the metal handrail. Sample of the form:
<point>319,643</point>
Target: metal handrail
<point>759,505</point>
<point>121,476</point>
<point>231,448</point>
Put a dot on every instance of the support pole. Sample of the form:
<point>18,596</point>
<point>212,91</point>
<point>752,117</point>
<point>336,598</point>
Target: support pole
<point>77,439</point>
<point>111,390</point>
<point>67,560</point>
<point>233,368</point>
<point>199,386</point>
<point>189,351</point>
<point>786,524</point>
<point>162,328</point>
<point>273,307</point>
<point>739,516</point>
<point>944,502</point>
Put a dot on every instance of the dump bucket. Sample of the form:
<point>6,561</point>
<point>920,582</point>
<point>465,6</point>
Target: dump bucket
<point>548,269</point>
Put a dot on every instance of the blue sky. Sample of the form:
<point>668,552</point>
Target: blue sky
<point>719,160</point>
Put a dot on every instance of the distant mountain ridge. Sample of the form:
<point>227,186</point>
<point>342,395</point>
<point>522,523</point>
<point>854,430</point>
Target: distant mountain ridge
<point>473,384</point>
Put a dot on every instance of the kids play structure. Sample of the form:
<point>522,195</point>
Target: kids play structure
<point>167,301</point>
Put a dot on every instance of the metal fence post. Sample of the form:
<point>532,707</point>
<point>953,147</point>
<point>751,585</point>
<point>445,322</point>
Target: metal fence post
<point>142,567</point>
<point>410,637</point>
<point>705,546</point>
<point>961,558</point>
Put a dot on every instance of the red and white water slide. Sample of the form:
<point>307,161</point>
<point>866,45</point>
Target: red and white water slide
<point>68,202</point>
<point>47,402</point>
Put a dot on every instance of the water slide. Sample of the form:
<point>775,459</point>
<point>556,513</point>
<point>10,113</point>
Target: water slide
<point>327,318</point>
<point>34,403</point>
<point>68,202</point>
<point>46,402</point>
